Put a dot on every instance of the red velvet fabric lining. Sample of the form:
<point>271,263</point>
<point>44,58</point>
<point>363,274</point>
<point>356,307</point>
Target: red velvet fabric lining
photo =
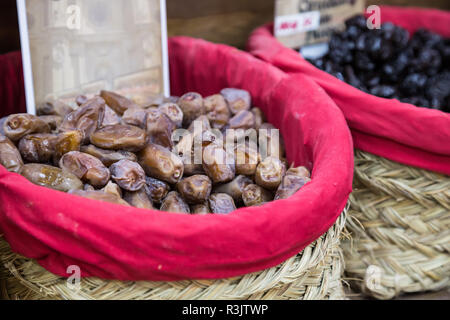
<point>116,242</point>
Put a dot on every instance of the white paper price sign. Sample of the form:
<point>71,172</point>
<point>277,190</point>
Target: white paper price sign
<point>295,23</point>
<point>72,47</point>
<point>306,22</point>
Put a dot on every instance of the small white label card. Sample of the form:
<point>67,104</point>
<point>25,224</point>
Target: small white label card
<point>306,22</point>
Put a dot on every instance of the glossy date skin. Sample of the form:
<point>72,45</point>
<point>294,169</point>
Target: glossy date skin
<point>86,167</point>
<point>195,189</point>
<point>119,137</point>
<point>66,142</point>
<point>254,195</point>
<point>86,119</point>
<point>242,120</point>
<point>184,149</point>
<point>156,189</point>
<point>112,188</point>
<point>175,203</point>
<point>192,106</point>
<point>160,128</point>
<point>274,148</point>
<point>16,126</point>
<point>247,158</point>
<point>158,162</point>
<point>117,102</point>
<point>100,196</point>
<point>173,111</point>
<point>221,203</point>
<point>51,177</point>
<point>108,157</point>
<point>217,165</point>
<point>135,117</point>
<point>38,147</point>
<point>234,188</point>
<point>10,157</point>
<point>201,209</point>
<point>53,121</point>
<point>54,108</point>
<point>269,173</point>
<point>293,181</point>
<point>138,199</point>
<point>110,118</point>
<point>237,99</point>
<point>217,111</point>
<point>129,175</point>
<point>259,117</point>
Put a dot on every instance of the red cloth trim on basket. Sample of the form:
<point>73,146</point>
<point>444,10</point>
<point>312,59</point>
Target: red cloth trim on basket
<point>12,91</point>
<point>394,130</point>
<point>116,242</point>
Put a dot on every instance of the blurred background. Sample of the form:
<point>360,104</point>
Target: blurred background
<point>223,21</point>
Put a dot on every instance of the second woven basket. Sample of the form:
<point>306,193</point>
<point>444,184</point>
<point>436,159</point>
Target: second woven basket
<point>399,221</point>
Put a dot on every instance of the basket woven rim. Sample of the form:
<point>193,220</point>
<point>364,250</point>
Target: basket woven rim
<point>273,283</point>
<point>399,220</point>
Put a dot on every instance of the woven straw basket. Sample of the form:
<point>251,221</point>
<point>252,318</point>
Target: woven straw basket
<point>313,274</point>
<point>399,223</point>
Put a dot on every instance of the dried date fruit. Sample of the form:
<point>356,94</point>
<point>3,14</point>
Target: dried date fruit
<point>201,208</point>
<point>221,203</point>
<point>237,99</point>
<point>38,147</point>
<point>51,177</point>
<point>195,189</point>
<point>86,167</point>
<point>254,195</point>
<point>158,162</point>
<point>217,111</point>
<point>242,120</point>
<point>138,199</point>
<point>129,175</point>
<point>10,157</point>
<point>234,188</point>
<point>119,137</point>
<point>16,126</point>
<point>66,142</point>
<point>192,106</point>
<point>117,102</point>
<point>135,117</point>
<point>53,121</point>
<point>156,189</point>
<point>160,129</point>
<point>293,181</point>
<point>86,118</point>
<point>269,173</point>
<point>108,157</point>
<point>100,196</point>
<point>175,203</point>
<point>81,99</point>
<point>247,158</point>
<point>219,166</point>
<point>110,118</point>
<point>54,108</point>
<point>259,117</point>
<point>173,111</point>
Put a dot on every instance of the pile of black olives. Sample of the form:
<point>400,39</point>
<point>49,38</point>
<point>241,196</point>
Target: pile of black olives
<point>126,151</point>
<point>388,63</point>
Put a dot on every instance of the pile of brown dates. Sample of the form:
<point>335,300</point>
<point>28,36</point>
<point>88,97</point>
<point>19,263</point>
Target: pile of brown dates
<point>188,154</point>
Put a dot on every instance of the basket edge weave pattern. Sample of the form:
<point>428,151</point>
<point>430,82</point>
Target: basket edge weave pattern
<point>399,222</point>
<point>315,273</point>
